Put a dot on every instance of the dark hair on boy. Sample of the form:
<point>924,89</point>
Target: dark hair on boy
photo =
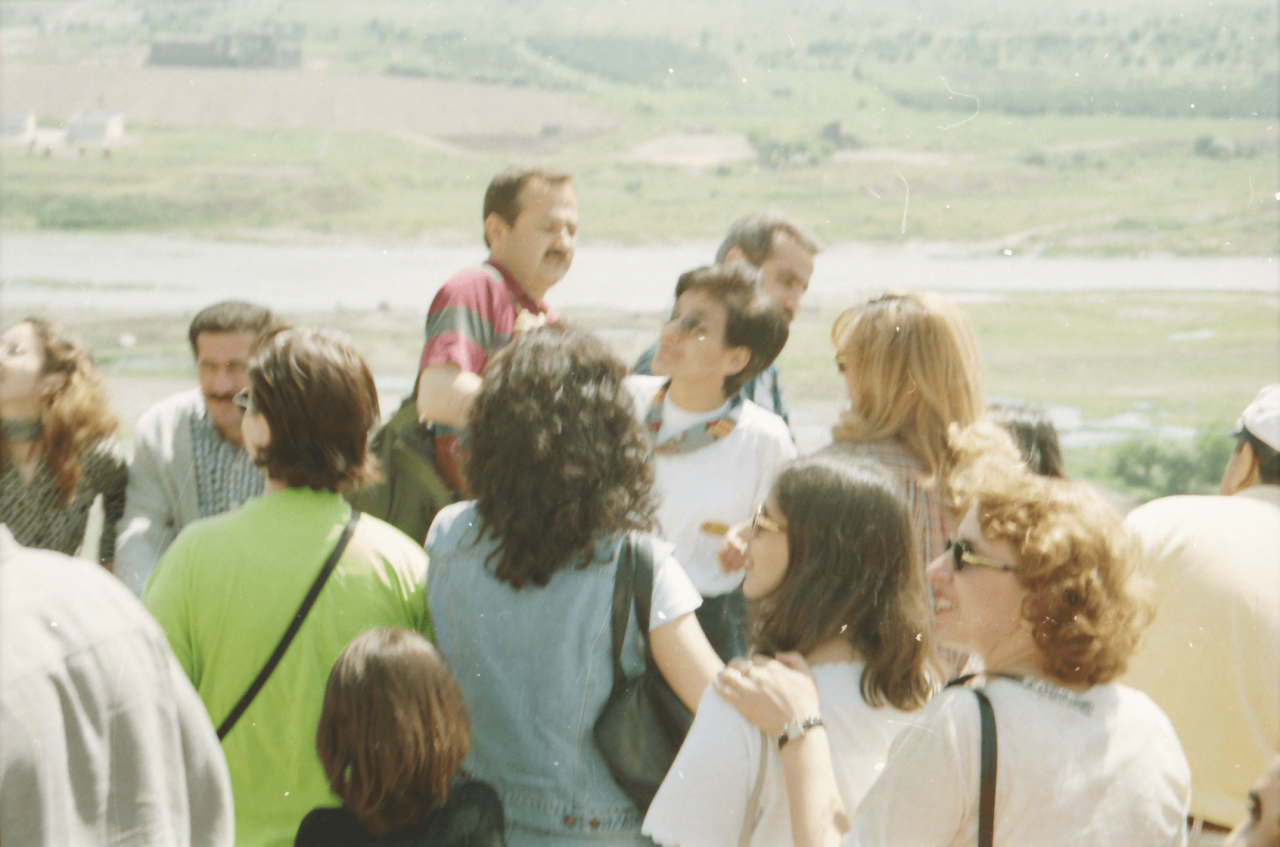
<point>502,197</point>
<point>1034,434</point>
<point>320,402</point>
<point>556,457</point>
<point>853,572</point>
<point>393,730</point>
<point>752,320</point>
<point>230,316</point>
<point>755,234</point>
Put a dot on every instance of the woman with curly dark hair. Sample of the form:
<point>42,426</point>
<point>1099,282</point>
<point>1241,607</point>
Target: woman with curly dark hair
<point>521,585</point>
<point>57,449</point>
<point>1043,584</point>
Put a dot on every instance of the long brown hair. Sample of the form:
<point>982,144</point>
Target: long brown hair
<point>853,572</point>
<point>74,416</point>
<point>393,729</point>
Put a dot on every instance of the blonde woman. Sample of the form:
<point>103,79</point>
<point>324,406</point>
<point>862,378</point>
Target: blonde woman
<point>911,366</point>
<point>57,449</point>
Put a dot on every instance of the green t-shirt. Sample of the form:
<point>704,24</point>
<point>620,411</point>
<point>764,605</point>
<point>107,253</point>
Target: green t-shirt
<point>224,594</point>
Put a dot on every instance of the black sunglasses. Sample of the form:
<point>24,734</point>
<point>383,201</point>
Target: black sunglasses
<point>962,554</point>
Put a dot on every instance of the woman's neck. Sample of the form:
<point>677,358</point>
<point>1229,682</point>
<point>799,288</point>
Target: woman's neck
<point>697,395</point>
<point>831,651</point>
<point>20,410</point>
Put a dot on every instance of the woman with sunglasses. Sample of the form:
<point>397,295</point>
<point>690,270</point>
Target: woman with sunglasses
<point>1041,583</point>
<point>228,587</point>
<point>832,574</point>
<point>57,449</point>
<point>911,366</point>
<point>715,453</point>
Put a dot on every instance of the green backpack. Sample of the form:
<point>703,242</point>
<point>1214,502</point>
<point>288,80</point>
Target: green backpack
<point>412,491</point>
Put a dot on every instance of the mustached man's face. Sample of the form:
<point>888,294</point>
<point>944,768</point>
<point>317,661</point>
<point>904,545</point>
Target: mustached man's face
<point>538,248</point>
<point>222,362</point>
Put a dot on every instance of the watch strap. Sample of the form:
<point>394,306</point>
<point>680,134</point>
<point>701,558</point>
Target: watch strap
<point>797,727</point>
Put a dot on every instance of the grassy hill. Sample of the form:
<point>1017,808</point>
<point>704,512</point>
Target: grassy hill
<point>1148,127</point>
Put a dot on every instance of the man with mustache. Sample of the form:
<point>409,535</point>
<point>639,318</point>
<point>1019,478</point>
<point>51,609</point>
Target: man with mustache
<point>782,250</point>
<point>189,460</point>
<point>530,228</point>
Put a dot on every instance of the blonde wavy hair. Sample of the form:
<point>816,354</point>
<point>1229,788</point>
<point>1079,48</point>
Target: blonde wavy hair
<point>74,416</point>
<point>1088,599</point>
<point>917,372</point>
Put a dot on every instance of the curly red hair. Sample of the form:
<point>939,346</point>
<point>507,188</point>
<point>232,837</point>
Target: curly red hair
<point>1088,600</point>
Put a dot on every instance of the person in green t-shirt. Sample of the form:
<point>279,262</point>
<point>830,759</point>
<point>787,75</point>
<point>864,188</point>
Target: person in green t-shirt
<point>226,590</point>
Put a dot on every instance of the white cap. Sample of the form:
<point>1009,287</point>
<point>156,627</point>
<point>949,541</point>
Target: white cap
<point>1262,417</point>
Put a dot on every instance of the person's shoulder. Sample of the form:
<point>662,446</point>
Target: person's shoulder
<point>449,525</point>
<point>475,793</point>
<point>469,285</point>
<point>765,422</point>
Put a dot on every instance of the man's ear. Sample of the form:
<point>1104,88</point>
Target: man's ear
<point>1241,471</point>
<point>738,359</point>
<point>735,254</point>
<point>494,229</point>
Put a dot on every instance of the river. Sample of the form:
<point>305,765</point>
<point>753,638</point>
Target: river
<point>165,273</point>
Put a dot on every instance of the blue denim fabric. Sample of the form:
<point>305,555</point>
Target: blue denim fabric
<point>535,669</point>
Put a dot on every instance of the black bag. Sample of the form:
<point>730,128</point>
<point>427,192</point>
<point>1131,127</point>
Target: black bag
<point>644,723</point>
<point>412,490</point>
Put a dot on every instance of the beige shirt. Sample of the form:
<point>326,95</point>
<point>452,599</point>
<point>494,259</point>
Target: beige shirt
<point>1211,659</point>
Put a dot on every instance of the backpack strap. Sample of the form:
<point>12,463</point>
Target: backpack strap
<point>294,626</point>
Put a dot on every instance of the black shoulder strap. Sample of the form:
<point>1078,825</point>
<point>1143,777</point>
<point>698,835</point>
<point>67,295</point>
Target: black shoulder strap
<point>987,773</point>
<point>643,554</point>
<point>623,582</point>
<point>294,626</point>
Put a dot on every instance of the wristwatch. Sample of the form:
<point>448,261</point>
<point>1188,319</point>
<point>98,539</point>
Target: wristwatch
<point>797,727</point>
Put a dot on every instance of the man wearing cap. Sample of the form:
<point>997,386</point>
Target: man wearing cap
<point>1211,658</point>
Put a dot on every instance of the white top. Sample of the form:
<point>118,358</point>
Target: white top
<point>1211,658</point>
<point>1113,778</point>
<point>703,800</point>
<point>722,482</point>
<point>102,738</point>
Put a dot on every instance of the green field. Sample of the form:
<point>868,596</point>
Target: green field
<point>1107,355</point>
<point>1140,129</point>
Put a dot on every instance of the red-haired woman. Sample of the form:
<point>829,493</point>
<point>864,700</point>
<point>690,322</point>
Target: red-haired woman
<point>392,736</point>
<point>57,450</point>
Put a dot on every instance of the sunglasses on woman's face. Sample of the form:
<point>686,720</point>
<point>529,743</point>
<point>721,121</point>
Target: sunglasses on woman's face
<point>763,523</point>
<point>962,555</point>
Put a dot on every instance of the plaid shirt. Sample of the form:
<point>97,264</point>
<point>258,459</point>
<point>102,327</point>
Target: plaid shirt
<point>934,522</point>
<point>225,475</point>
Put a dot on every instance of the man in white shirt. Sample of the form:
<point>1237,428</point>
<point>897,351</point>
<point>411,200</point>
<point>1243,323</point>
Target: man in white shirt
<point>1210,658</point>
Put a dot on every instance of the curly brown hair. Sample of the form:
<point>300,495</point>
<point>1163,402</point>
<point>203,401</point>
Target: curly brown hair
<point>556,457</point>
<point>853,572</point>
<point>1088,599</point>
<point>76,414</point>
<point>393,729</point>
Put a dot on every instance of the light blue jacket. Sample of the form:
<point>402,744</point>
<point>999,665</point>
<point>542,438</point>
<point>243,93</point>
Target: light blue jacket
<point>535,669</point>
